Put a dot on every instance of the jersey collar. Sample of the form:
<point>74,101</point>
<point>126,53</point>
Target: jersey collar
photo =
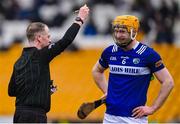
<point>136,45</point>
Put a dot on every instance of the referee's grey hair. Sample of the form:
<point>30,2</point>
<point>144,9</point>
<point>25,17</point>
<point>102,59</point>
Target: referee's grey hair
<point>33,29</point>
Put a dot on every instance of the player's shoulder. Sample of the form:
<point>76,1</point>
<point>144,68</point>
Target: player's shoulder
<point>143,49</point>
<point>111,48</point>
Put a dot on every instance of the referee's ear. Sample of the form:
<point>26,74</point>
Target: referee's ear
<point>39,38</point>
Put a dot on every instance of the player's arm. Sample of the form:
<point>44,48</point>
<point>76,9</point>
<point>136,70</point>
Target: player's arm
<point>99,77</point>
<point>167,85</point>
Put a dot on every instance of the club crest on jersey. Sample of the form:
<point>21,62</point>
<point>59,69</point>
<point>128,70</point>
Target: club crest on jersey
<point>136,60</point>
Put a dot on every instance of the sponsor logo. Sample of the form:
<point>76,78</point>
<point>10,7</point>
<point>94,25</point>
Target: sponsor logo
<point>136,60</point>
<point>129,70</point>
<point>126,70</point>
<point>124,57</point>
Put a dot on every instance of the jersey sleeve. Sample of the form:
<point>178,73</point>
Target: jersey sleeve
<point>103,59</point>
<point>12,86</point>
<point>54,49</point>
<point>155,61</point>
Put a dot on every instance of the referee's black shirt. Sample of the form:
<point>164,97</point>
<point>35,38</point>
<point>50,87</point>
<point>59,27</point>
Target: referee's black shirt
<point>30,81</point>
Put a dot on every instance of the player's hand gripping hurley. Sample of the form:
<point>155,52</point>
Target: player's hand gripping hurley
<point>86,108</point>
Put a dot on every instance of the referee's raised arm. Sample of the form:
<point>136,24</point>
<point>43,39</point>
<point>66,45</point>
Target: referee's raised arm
<point>54,49</point>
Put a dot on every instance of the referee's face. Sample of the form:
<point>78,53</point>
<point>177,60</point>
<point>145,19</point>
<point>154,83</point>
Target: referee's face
<point>45,37</point>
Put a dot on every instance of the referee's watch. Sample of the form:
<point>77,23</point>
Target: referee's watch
<point>79,20</point>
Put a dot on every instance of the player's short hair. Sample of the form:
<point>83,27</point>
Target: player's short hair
<point>33,29</point>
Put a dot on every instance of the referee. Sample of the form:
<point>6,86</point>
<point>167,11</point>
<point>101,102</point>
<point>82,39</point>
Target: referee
<point>30,82</point>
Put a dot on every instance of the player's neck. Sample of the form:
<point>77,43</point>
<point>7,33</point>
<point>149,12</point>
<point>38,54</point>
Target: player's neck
<point>130,46</point>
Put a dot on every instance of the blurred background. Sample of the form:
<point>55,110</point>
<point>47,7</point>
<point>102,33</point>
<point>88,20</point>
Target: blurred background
<point>71,71</point>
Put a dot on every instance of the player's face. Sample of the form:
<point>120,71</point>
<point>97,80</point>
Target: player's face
<point>122,36</point>
<point>44,37</point>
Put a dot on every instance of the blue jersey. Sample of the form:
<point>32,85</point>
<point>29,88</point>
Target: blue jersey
<point>129,77</point>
